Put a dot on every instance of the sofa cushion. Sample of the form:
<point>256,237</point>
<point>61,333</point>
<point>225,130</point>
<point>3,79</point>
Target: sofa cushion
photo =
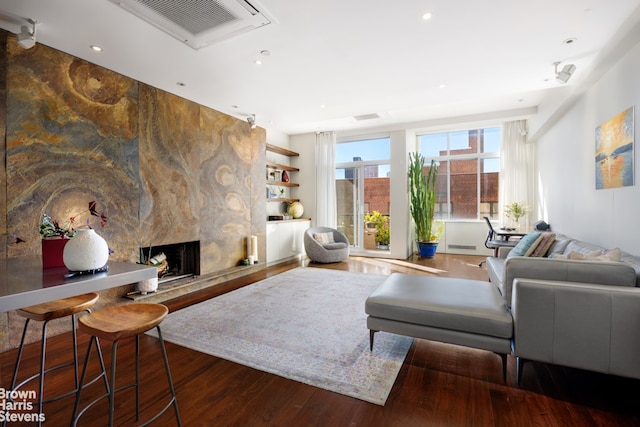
<point>526,245</point>
<point>560,244</point>
<point>610,255</point>
<point>582,247</point>
<point>607,255</point>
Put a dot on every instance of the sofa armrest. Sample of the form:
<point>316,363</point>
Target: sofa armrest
<point>579,325</point>
<point>596,272</point>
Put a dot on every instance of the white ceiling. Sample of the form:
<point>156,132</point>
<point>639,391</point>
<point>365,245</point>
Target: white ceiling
<point>331,60</point>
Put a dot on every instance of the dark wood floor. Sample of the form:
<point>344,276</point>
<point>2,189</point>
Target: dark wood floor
<point>438,385</point>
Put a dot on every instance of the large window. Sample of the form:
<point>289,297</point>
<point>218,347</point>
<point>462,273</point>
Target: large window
<point>468,173</point>
<point>362,186</point>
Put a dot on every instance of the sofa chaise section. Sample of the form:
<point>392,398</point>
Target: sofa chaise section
<point>580,325</point>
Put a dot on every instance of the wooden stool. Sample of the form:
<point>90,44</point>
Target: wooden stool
<point>112,324</point>
<point>44,313</point>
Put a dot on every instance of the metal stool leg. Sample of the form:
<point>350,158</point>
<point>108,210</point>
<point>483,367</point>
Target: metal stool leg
<point>81,385</point>
<point>174,399</point>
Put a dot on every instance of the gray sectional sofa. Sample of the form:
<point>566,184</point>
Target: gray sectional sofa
<point>581,313</point>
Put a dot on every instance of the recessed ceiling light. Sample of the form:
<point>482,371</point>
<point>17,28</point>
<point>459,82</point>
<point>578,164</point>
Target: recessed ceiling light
<point>96,48</point>
<point>258,62</point>
<point>570,40</point>
<point>442,86</point>
<point>427,15</point>
<point>181,84</point>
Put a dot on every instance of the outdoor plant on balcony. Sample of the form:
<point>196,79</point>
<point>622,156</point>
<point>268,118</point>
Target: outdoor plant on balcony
<point>381,223</point>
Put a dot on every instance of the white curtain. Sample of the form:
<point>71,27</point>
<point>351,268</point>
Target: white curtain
<point>326,179</point>
<point>517,161</point>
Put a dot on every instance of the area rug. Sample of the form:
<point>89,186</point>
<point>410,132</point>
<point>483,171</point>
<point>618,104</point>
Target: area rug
<point>306,324</point>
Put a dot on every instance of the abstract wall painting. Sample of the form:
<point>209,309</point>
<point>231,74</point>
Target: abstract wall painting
<point>614,151</point>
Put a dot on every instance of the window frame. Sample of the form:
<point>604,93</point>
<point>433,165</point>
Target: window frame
<point>449,158</point>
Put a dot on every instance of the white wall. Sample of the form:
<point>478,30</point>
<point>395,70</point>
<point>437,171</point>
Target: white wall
<point>306,162</point>
<point>567,198</point>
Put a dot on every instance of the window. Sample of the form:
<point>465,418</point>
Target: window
<point>362,186</point>
<point>468,173</point>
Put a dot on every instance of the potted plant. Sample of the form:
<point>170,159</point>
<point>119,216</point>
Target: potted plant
<point>515,211</point>
<point>381,224</point>
<point>422,191</point>
<point>56,236</point>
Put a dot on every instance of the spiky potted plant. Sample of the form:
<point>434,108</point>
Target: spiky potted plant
<point>422,191</point>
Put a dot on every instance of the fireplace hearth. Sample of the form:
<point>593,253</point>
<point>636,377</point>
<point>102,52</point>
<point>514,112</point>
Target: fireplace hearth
<point>174,261</point>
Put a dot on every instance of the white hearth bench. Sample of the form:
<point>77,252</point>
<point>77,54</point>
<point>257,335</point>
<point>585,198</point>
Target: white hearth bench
<point>464,312</point>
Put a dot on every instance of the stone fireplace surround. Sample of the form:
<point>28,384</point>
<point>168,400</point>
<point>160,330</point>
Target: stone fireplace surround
<point>162,168</point>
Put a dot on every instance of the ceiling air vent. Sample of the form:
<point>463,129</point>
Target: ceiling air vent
<point>370,116</point>
<point>199,23</point>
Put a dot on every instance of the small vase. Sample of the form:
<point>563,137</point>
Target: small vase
<point>86,251</point>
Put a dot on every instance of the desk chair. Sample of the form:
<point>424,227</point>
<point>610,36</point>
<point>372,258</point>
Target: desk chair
<point>492,242</point>
<point>44,313</point>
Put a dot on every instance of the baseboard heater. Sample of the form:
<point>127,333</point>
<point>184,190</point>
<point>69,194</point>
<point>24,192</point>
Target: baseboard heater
<point>465,247</point>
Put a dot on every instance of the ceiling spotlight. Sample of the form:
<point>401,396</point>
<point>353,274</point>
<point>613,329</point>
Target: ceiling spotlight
<point>27,36</point>
<point>564,75</point>
<point>252,121</point>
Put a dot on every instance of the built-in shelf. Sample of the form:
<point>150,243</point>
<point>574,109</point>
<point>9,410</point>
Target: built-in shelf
<point>280,167</point>
<point>282,200</point>
<point>280,150</point>
<point>283,184</point>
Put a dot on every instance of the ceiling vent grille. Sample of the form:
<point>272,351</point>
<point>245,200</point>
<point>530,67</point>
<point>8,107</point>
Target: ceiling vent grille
<point>370,116</point>
<point>200,23</point>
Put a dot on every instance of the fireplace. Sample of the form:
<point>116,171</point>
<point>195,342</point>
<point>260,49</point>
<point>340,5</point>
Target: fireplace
<point>175,261</point>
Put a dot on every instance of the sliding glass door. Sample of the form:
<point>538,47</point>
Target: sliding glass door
<point>362,187</point>
<point>348,192</point>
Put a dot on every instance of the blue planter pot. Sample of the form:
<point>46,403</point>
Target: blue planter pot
<point>427,249</point>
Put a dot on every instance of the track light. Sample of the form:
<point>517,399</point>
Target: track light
<point>252,121</point>
<point>564,75</point>
<point>27,36</point>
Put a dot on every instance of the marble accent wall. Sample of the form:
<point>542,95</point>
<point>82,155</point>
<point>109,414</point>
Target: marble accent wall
<point>72,137</point>
<point>162,168</point>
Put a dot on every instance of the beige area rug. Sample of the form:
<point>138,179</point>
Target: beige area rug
<point>306,324</point>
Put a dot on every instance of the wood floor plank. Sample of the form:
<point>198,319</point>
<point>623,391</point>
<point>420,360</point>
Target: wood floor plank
<point>438,385</point>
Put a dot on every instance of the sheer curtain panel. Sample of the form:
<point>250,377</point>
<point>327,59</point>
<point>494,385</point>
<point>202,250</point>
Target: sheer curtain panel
<point>326,179</point>
<point>517,168</point>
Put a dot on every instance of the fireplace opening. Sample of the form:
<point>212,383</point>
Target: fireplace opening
<point>174,261</point>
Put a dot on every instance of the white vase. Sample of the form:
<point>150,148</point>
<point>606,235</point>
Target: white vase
<point>85,251</point>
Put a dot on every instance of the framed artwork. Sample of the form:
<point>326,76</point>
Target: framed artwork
<point>614,151</point>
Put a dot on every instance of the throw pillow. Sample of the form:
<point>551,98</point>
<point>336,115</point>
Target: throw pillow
<point>324,237</point>
<point>528,242</point>
<point>608,255</point>
<point>546,240</point>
